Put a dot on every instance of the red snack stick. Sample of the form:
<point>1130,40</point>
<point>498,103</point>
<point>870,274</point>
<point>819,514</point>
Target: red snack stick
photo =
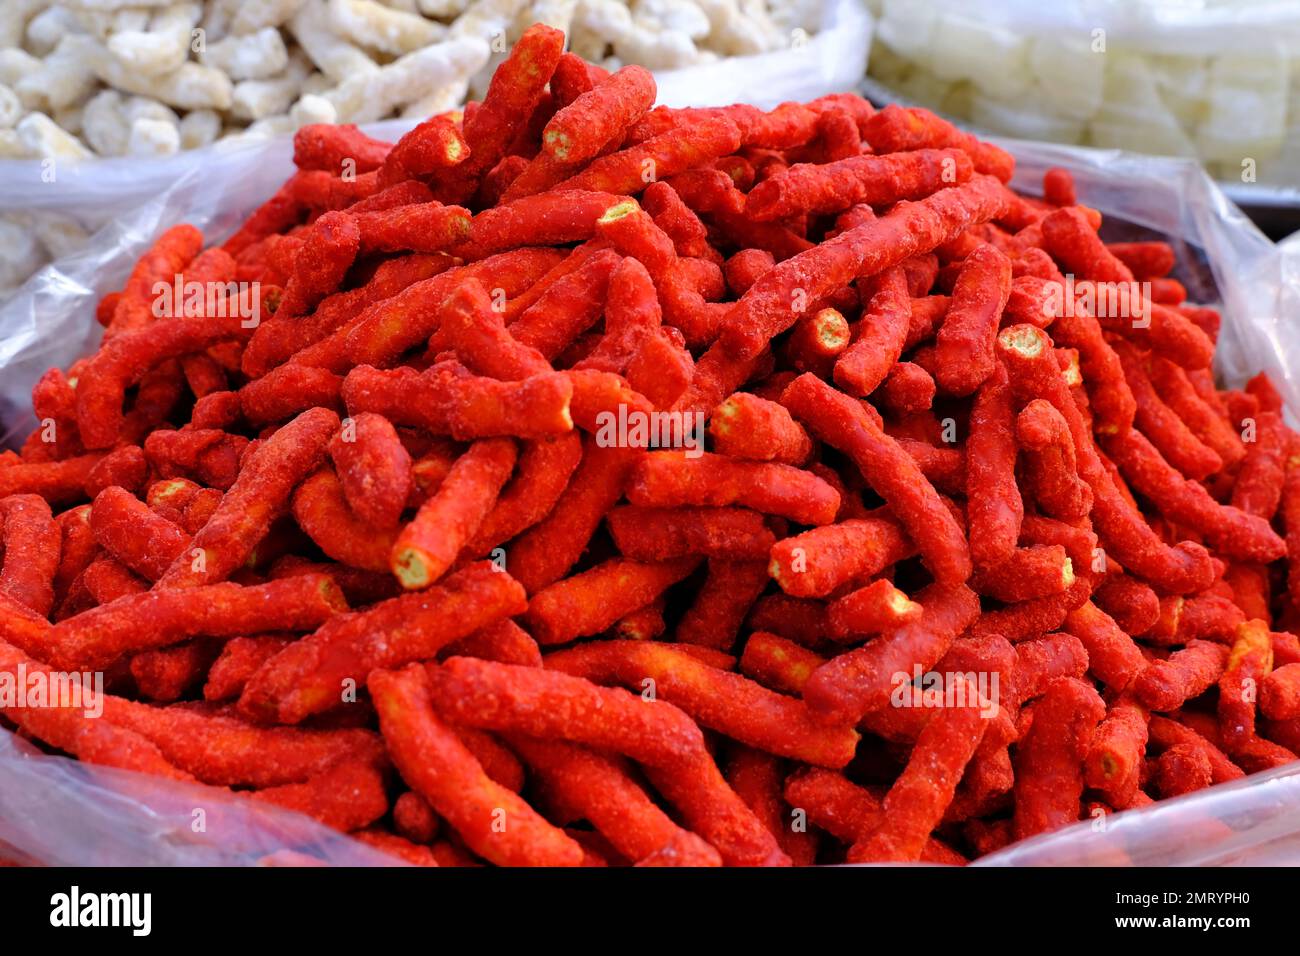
<point>643,624</point>
<point>873,609</point>
<point>674,217</point>
<point>917,800</point>
<point>165,260</point>
<point>719,608</point>
<point>345,797</point>
<point>674,478</point>
<point>124,466</point>
<point>107,579</point>
<point>414,819</point>
<point>1042,660</point>
<point>778,663</point>
<point>994,509</point>
<point>1051,469</point>
<point>1279,693</point>
<point>1149,324</point>
<point>259,494</point>
<point>596,117</point>
<point>594,600</point>
<point>541,475</point>
<point>428,545</point>
<point>744,268</point>
<point>1166,685</point>
<point>434,762</point>
<point>209,455</point>
<point>125,359</point>
<point>662,534</point>
<point>374,469</point>
<point>599,789</point>
<point>432,146</point>
<point>515,91</point>
<point>630,170</point>
<point>964,343</point>
<point>1034,572</point>
<point>819,561</point>
<point>908,389</point>
<point>1032,299</point>
<point>757,779</point>
<point>1162,427</point>
<point>418,227</point>
<point>1073,242</point>
<point>237,661</point>
<point>160,618</point>
<point>766,309</point>
<point>280,336</point>
<point>77,548</point>
<point>310,676</point>
<point>1113,764</point>
<point>1262,387</point>
<point>842,423</point>
<point>1230,530</point>
<point>327,251</point>
<point>567,309</point>
<point>130,531</point>
<point>380,333</point>
<point>1132,604</point>
<point>846,810</point>
<point>327,147</point>
<point>477,333</point>
<point>1167,291</point>
<point>1211,616</point>
<point>861,680</point>
<point>1035,374</point>
<point>447,400</point>
<point>1183,768</point>
<point>545,552</point>
<point>1258,489</point>
<point>565,214</point>
<point>168,673</point>
<point>746,426</point>
<point>1249,662</point>
<point>895,128</point>
<point>1050,758</point>
<point>504,641</point>
<point>55,481</point>
<point>661,369</point>
<point>1058,187</point>
<point>321,511</point>
<point>1146,260</point>
<point>1113,658</point>
<point>1176,391</point>
<point>816,341</point>
<point>549,705</point>
<point>874,180</point>
<point>31,541</point>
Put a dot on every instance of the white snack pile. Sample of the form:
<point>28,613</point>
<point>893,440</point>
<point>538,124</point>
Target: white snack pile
<point>1221,84</point>
<point>152,77</point>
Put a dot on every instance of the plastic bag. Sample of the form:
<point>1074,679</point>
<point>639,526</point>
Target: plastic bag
<point>54,810</point>
<point>1219,81</point>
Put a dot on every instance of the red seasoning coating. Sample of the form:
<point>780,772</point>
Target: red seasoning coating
<point>836,480</point>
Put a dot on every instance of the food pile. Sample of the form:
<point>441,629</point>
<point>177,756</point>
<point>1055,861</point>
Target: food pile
<point>1142,76</point>
<point>582,482</point>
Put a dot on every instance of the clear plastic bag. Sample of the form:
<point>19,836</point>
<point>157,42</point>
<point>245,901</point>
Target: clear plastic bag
<point>1215,80</point>
<point>54,810</point>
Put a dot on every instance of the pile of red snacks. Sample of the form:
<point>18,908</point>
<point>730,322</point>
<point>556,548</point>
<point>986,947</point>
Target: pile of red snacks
<point>590,483</point>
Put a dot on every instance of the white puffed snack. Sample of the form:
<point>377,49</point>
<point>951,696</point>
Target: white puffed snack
<point>161,48</point>
<point>250,56</point>
<point>382,28</point>
<point>153,137</point>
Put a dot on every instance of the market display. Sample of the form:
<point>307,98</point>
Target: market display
<point>580,482</point>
